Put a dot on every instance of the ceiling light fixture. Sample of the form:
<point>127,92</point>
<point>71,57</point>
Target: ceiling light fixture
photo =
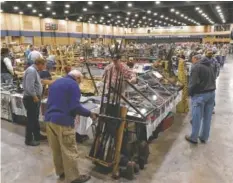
<point>80,17</point>
<point>20,12</point>
<point>89,2</point>
<point>54,13</point>
<point>155,14</point>
<point>102,18</point>
<point>49,2</point>
<point>217,7</point>
<point>34,11</point>
<point>84,9</point>
<point>16,7</point>
<point>66,12</point>
<point>40,15</point>
<point>106,7</point>
<point>1,10</point>
<point>197,8</point>
<point>118,16</point>
<point>48,8</point>
<point>130,4</point>
<point>67,6</point>
<point>157,2</point>
<point>149,12</point>
<point>172,10</point>
<point>29,5</point>
<point>136,15</point>
<point>128,13</point>
<point>177,12</point>
<point>109,14</point>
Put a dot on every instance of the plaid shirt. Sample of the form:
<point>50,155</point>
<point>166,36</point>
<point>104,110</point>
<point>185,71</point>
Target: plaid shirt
<point>128,74</point>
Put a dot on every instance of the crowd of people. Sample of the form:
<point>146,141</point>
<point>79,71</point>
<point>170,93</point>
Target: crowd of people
<point>64,99</point>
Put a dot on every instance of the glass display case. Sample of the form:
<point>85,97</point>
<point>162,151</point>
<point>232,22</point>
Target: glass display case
<point>150,96</point>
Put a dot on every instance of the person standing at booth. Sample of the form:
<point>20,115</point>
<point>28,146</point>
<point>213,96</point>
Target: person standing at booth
<point>32,96</point>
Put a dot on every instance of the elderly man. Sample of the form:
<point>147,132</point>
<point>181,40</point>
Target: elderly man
<point>202,91</point>
<point>33,55</point>
<point>32,94</point>
<point>62,107</point>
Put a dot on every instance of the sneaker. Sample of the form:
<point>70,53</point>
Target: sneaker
<point>190,140</point>
<point>32,143</point>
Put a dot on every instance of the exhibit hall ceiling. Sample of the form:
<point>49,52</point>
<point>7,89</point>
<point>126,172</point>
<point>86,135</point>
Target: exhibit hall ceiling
<point>128,13</point>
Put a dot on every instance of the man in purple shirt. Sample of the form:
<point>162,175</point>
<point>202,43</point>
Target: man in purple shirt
<point>62,106</point>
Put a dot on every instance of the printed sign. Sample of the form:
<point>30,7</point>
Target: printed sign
<point>51,26</point>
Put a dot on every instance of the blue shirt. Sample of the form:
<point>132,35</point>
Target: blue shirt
<point>64,102</point>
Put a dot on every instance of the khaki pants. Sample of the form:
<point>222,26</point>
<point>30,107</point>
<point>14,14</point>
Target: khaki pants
<point>65,155</point>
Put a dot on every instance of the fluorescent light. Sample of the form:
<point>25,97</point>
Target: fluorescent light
<point>66,11</point>
<point>130,5</point>
<point>48,8</point>
<point>106,7</point>
<point>84,9</point>
<point>166,18</point>
<point>144,17</point>
<point>102,18</point>
<point>118,16</point>
<point>40,15</point>
<point>200,11</point>
<point>20,12</point>
<point>34,11</point>
<point>155,14</point>
<point>128,13</point>
<point>90,2</point>
<point>67,6</point>
<point>161,16</point>
<point>136,15</point>
<point>49,2</point>
<point>54,13</point>
<point>16,7</point>
<point>157,2</point>
<point>80,17</point>
<point>29,5</point>
<point>177,12</point>
<point>109,14</point>
<point>217,7</point>
<point>197,8</point>
<point>172,10</point>
<point>219,10</point>
<point>148,11</point>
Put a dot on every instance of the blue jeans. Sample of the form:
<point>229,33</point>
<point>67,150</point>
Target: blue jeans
<point>202,108</point>
<point>6,78</point>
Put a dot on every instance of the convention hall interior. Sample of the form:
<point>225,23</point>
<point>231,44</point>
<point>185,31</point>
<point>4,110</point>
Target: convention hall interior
<point>116,91</point>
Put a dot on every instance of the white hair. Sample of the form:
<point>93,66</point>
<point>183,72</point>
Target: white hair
<point>75,74</point>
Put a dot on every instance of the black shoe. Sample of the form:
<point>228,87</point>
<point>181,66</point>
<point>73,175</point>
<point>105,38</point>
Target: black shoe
<point>32,143</point>
<point>202,141</point>
<point>81,179</point>
<point>190,140</point>
<point>42,138</point>
<point>62,176</point>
